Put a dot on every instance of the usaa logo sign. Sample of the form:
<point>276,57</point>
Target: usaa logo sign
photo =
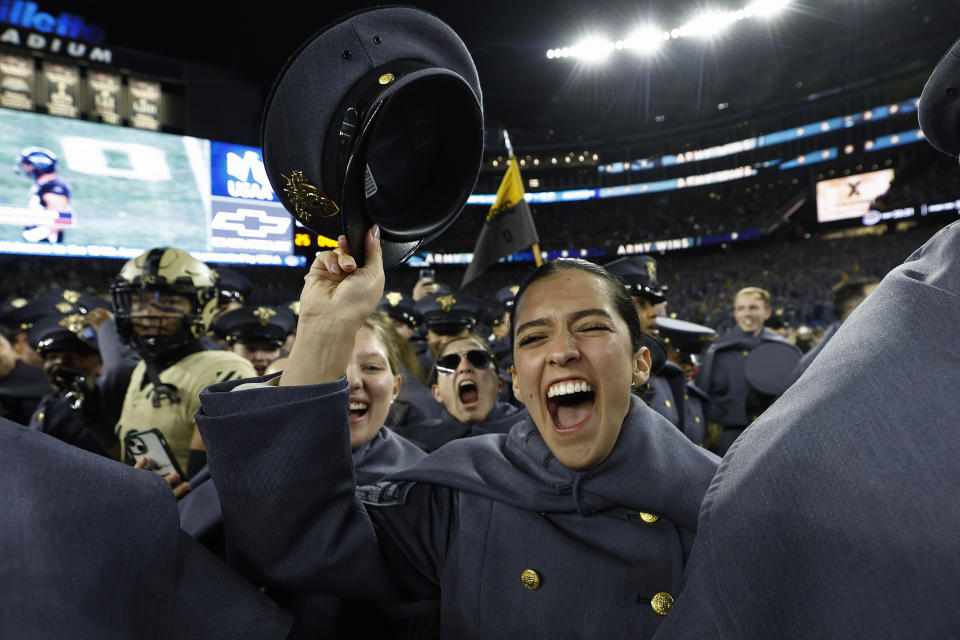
<point>247,176</point>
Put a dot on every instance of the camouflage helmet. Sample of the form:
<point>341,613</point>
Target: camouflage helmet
<point>169,271</point>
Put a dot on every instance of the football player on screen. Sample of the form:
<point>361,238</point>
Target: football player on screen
<point>48,192</point>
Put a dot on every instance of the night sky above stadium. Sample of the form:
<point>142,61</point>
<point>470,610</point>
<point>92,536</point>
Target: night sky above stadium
<point>810,47</point>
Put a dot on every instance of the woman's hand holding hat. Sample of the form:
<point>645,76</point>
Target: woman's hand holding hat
<point>337,297</point>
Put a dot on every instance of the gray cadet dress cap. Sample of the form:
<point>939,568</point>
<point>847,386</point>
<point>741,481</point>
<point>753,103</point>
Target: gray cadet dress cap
<point>639,274</point>
<point>376,119</point>
<point>769,367</point>
<point>939,111</point>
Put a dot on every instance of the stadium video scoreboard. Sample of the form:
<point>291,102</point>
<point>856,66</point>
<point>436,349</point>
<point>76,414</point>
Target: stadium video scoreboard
<point>80,188</point>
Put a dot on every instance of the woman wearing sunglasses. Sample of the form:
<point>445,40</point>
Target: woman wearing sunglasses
<point>576,524</point>
<point>466,382</point>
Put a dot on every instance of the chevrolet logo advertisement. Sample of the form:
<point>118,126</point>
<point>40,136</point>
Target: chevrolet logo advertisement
<point>245,214</point>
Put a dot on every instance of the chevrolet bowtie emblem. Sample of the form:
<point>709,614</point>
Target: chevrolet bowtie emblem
<point>307,200</point>
<point>446,303</point>
<point>264,315</point>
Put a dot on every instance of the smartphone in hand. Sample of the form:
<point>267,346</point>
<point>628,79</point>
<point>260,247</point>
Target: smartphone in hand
<point>151,444</point>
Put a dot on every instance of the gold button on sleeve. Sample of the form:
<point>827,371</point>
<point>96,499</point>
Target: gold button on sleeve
<point>649,518</point>
<point>661,603</point>
<point>667,402</point>
<point>530,579</point>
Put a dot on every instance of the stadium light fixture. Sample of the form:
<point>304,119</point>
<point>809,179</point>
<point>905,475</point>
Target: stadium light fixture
<point>593,49</point>
<point>708,24</point>
<point>766,8</point>
<point>646,40</point>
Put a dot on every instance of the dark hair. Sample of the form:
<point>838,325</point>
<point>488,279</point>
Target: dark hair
<point>848,293</point>
<point>476,339</point>
<point>612,285</point>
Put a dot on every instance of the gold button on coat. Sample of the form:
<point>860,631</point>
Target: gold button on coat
<point>530,579</point>
<point>661,603</point>
<point>649,518</point>
<point>667,402</point>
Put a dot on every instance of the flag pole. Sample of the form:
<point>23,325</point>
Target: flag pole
<point>535,247</point>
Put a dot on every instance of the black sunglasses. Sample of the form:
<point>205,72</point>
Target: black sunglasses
<point>478,358</point>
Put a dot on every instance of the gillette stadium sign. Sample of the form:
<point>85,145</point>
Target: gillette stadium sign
<point>23,23</point>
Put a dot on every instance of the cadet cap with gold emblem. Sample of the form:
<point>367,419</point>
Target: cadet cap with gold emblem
<point>639,275</point>
<point>500,303</point>
<point>63,332</point>
<point>400,307</point>
<point>939,110</point>
<point>22,314</point>
<point>449,313</point>
<point>232,286</point>
<point>376,119</point>
<point>689,339</point>
<point>256,324</point>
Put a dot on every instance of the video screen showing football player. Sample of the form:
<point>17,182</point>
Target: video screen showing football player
<point>49,192</point>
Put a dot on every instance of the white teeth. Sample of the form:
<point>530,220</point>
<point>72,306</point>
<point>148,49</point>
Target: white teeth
<point>358,406</point>
<point>565,388</point>
<point>467,382</point>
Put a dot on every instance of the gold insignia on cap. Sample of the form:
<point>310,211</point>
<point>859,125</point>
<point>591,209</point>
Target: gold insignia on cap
<point>16,303</point>
<point>386,78</point>
<point>264,315</point>
<point>308,200</point>
<point>446,302</point>
<point>652,270</point>
<point>63,307</point>
<point>394,298</point>
<point>294,306</point>
<point>514,289</point>
<point>71,296</point>
<point>74,322</point>
<point>530,579</point>
<point>148,279</point>
<point>661,603</point>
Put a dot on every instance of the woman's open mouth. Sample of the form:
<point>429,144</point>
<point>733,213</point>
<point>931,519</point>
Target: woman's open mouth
<point>570,404</point>
<point>468,392</point>
<point>358,409</point>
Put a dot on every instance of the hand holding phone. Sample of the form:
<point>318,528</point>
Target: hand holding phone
<point>150,445</point>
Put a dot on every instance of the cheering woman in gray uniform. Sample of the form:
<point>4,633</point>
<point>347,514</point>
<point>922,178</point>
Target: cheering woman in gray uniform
<point>575,524</point>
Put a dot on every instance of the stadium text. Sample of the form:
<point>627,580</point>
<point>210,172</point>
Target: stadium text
<point>658,245</point>
<point>56,45</point>
<point>25,14</point>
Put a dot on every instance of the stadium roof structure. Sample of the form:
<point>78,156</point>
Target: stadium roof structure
<point>810,49</point>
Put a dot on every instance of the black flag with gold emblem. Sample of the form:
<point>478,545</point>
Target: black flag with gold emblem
<point>509,226</point>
